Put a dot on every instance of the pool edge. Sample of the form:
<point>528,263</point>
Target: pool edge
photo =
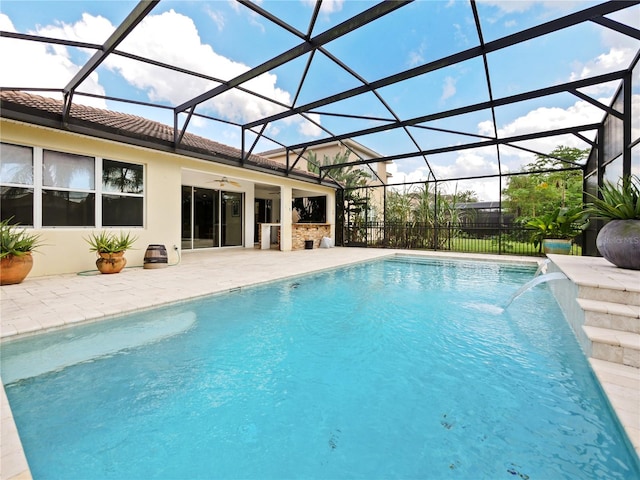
<point>10,437</point>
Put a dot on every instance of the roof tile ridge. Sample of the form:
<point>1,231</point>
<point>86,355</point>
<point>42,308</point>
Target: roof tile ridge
<point>77,108</point>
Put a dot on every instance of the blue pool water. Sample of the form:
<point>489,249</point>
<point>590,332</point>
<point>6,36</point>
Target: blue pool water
<point>391,369</point>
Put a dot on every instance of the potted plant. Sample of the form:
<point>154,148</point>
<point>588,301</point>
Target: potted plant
<point>554,232</point>
<point>16,246</point>
<point>110,248</point>
<point>619,240</point>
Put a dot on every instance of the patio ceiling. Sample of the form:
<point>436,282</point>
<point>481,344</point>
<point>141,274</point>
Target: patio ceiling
<point>308,77</point>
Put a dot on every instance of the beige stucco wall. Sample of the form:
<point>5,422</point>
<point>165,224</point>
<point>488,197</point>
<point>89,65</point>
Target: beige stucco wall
<point>65,250</point>
<point>330,149</point>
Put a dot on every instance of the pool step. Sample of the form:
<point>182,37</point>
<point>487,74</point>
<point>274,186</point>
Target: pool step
<point>614,345</point>
<point>609,295</point>
<point>614,316</point>
<point>614,331</point>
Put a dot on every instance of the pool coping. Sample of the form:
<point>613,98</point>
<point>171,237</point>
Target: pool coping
<point>44,304</point>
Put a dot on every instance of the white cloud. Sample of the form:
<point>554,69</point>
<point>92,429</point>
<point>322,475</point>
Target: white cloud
<point>328,6</point>
<point>401,176</point>
<point>448,88</point>
<point>468,163</point>
<point>614,59</point>
<point>217,18</point>
<point>309,129</point>
<point>475,162</point>
<point>416,57</point>
<point>471,163</point>
<point>520,6</point>
<point>509,6</point>
<point>459,35</point>
<point>551,117</point>
<point>183,48</point>
<point>95,29</point>
<point>46,67</point>
<point>635,107</point>
<point>612,38</point>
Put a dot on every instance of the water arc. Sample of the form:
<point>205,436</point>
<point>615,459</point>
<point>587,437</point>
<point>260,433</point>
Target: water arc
<point>545,277</point>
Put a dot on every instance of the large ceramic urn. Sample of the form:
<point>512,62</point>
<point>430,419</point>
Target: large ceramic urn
<point>619,242</point>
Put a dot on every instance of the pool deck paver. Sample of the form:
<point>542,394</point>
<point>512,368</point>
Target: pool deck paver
<point>46,303</point>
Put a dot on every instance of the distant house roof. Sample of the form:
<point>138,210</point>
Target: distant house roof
<point>348,142</point>
<point>126,128</point>
<point>479,206</point>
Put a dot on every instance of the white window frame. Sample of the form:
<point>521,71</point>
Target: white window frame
<point>38,189</point>
<point>143,195</point>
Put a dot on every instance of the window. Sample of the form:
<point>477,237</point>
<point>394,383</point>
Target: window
<point>56,189</point>
<point>122,194</point>
<point>68,190</point>
<point>16,183</point>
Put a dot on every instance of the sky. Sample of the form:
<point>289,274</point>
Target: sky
<point>222,39</point>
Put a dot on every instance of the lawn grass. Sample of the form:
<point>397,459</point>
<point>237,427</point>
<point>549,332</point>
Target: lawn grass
<point>489,245</point>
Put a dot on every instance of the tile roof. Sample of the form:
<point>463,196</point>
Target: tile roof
<point>126,125</point>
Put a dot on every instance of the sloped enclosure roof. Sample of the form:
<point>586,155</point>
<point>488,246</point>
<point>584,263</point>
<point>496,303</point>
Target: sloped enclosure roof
<point>447,90</point>
<point>125,128</point>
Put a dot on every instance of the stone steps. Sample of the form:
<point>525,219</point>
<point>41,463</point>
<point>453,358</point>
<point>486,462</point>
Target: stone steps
<point>606,320</point>
<point>612,328</point>
<point>609,295</point>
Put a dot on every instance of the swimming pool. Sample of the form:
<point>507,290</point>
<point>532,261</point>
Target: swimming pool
<point>388,369</point>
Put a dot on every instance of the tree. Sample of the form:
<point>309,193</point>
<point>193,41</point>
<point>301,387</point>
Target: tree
<point>528,196</point>
<point>398,206</point>
<point>122,177</point>
<point>349,176</point>
<point>466,196</point>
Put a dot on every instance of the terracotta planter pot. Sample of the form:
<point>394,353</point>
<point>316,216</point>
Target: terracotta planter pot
<point>619,242</point>
<point>111,262</point>
<point>15,269</point>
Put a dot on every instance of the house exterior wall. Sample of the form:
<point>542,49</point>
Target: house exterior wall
<point>330,149</point>
<point>64,249</point>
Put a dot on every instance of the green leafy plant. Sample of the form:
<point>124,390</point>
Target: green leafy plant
<point>619,202</point>
<point>16,241</point>
<point>110,242</point>
<point>563,223</point>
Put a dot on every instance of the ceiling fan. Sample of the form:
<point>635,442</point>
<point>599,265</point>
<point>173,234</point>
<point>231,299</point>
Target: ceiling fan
<point>224,180</point>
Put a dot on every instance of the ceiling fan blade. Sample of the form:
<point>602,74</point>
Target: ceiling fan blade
<point>224,180</point>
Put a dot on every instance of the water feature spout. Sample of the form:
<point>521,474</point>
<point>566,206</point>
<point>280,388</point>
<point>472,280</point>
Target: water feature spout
<point>542,267</point>
<point>545,277</point>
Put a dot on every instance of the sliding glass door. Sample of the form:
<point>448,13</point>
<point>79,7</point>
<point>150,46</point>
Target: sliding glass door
<point>231,219</point>
<point>209,216</point>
